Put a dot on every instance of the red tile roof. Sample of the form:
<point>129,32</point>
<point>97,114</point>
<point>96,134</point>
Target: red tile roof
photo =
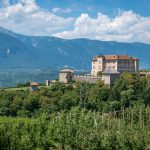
<point>114,57</point>
<point>33,84</point>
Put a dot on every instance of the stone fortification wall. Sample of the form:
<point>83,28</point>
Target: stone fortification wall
<point>86,78</point>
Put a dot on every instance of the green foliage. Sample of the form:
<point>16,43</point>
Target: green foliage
<point>78,116</point>
<point>99,94</point>
<point>23,84</point>
<point>78,129</point>
<point>99,73</point>
<point>127,90</point>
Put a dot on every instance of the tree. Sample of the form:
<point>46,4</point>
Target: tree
<point>99,94</point>
<point>82,90</point>
<point>32,102</point>
<point>99,73</point>
<point>146,92</point>
<point>127,97</point>
<point>123,83</point>
<point>68,100</point>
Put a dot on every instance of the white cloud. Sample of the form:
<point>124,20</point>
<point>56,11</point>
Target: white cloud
<point>5,3</point>
<point>26,17</point>
<point>125,27</point>
<point>55,10</point>
<point>61,10</point>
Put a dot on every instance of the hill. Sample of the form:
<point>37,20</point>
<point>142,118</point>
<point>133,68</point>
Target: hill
<point>20,51</point>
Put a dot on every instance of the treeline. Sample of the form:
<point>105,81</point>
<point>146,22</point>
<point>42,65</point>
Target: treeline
<point>79,116</point>
<point>19,85</point>
<point>128,90</point>
<point>78,129</point>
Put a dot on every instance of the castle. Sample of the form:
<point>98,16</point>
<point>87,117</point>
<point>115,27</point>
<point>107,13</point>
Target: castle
<point>104,67</point>
<point>120,63</point>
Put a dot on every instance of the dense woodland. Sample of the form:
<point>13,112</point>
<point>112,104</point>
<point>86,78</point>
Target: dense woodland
<point>78,116</point>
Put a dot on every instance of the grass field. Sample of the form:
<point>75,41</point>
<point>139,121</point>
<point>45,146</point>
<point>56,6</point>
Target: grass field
<point>22,88</point>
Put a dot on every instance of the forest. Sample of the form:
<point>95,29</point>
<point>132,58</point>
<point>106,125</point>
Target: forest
<point>78,116</point>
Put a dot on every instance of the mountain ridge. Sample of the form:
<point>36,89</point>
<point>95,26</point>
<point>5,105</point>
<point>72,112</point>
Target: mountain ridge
<point>21,51</point>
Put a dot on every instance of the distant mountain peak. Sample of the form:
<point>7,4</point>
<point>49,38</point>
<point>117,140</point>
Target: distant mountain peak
<point>20,51</point>
<point>7,31</point>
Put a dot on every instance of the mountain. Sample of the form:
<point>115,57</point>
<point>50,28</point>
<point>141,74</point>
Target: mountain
<point>20,51</point>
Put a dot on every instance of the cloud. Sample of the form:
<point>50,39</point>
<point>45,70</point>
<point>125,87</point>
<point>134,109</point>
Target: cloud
<point>55,10</point>
<point>26,17</point>
<point>60,10</point>
<point>126,26</point>
<point>5,3</point>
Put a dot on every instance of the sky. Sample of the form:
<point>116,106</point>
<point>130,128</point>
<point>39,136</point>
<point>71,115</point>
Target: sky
<point>106,20</point>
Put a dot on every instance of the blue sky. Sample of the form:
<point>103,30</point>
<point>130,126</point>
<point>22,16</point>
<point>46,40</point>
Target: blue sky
<point>93,6</point>
<point>109,20</point>
<point>141,7</point>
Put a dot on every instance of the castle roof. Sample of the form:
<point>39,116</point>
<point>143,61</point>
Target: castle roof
<point>66,71</point>
<point>33,84</point>
<point>114,57</point>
